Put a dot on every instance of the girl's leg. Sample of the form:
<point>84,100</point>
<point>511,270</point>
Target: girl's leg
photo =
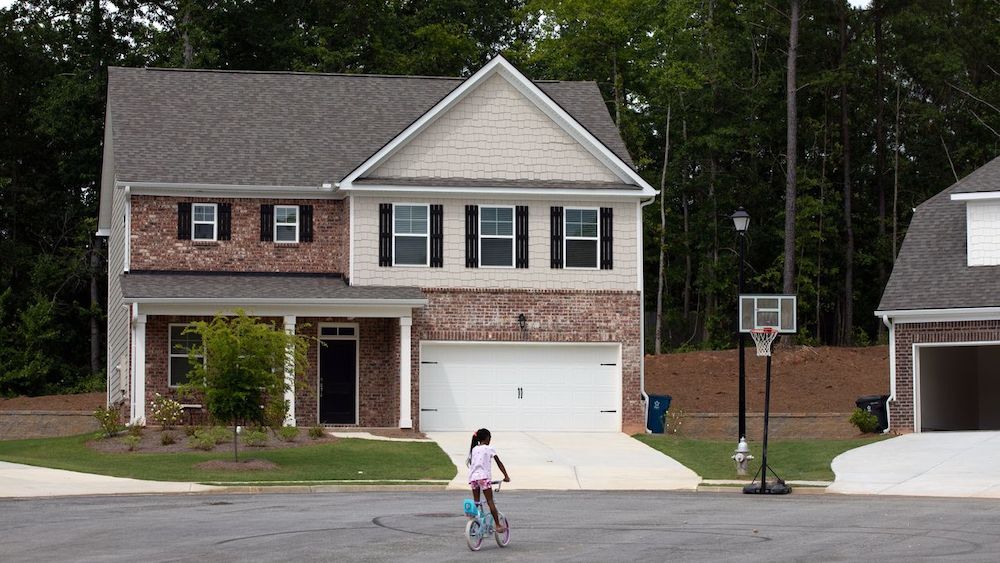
<point>493,510</point>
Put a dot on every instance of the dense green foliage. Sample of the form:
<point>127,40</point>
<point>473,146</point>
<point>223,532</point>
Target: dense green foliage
<point>719,68</point>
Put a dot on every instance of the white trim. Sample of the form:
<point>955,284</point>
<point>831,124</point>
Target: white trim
<point>499,65</point>
<point>171,353</point>
<point>210,309</point>
<point>916,369</point>
<point>405,372</point>
<point>214,222</point>
<point>566,238</point>
<point>127,255</point>
<point>642,313</point>
<point>351,240</point>
<point>289,326</point>
<point>968,236</point>
<point>892,370</point>
<point>427,236</point>
<point>511,237</point>
<point>138,393</point>
<point>903,316</point>
<point>464,192</point>
<point>276,224</point>
<point>279,301</point>
<point>975,196</point>
<point>228,190</point>
<point>357,367</point>
<point>103,232</point>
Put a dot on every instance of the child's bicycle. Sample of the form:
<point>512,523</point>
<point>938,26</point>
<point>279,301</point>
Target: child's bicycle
<point>481,523</point>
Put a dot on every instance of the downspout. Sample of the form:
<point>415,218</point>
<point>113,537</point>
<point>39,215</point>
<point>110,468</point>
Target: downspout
<point>642,320</point>
<point>892,370</point>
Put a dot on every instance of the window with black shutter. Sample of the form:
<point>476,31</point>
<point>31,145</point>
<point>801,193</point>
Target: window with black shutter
<point>225,221</point>
<point>267,222</point>
<point>556,243</point>
<point>496,237</point>
<point>582,237</point>
<point>521,242</point>
<point>437,236</point>
<point>184,221</point>
<point>385,234</point>
<point>471,236</point>
<point>306,229</point>
<point>607,239</point>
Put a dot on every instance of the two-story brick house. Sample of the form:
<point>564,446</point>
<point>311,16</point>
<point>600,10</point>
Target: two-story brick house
<point>468,250</point>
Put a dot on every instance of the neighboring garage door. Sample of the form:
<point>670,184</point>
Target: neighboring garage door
<point>958,387</point>
<point>548,387</point>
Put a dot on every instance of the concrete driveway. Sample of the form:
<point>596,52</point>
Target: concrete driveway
<point>572,460</point>
<point>19,481</point>
<point>946,464</point>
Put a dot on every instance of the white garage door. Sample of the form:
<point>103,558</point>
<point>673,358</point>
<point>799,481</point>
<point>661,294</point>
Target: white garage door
<point>547,387</point>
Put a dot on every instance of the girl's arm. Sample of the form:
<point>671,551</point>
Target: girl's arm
<point>506,477</point>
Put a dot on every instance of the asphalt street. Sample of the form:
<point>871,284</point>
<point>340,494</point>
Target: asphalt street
<point>546,526</point>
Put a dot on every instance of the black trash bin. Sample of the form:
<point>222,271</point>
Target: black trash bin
<point>658,404</point>
<point>875,404</point>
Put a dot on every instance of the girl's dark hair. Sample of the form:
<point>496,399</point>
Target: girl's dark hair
<point>478,437</point>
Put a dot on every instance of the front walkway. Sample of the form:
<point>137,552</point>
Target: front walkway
<point>18,480</point>
<point>942,464</point>
<point>572,460</point>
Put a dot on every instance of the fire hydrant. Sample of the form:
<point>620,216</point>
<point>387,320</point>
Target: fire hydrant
<point>742,456</point>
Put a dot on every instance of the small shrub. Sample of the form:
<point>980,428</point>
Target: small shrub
<point>132,441</point>
<point>673,419</point>
<point>254,438</point>
<point>167,439</point>
<point>865,421</point>
<point>288,433</point>
<point>134,430</point>
<point>166,411</point>
<point>317,432</point>
<point>109,419</point>
<point>275,412</point>
<point>191,430</point>
<point>221,434</point>
<point>202,440</point>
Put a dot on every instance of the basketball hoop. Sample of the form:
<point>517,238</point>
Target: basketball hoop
<point>763,337</point>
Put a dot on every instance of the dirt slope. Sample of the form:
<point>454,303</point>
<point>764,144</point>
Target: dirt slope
<point>83,402</point>
<point>803,379</point>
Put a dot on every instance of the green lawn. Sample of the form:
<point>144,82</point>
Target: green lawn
<point>344,459</point>
<point>806,460</point>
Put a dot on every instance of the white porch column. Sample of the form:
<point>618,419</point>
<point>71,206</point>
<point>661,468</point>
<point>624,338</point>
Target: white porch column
<point>138,390</point>
<point>290,373</point>
<point>405,387</point>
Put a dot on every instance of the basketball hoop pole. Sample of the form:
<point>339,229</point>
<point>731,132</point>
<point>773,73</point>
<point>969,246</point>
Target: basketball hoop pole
<point>767,413</point>
<point>764,340</point>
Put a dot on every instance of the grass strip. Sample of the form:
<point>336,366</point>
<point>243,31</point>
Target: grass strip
<point>347,459</point>
<point>792,460</point>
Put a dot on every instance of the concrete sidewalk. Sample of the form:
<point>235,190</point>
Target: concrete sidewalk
<point>17,481</point>
<point>940,464</point>
<point>572,461</point>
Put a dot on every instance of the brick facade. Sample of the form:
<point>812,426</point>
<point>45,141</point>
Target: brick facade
<point>552,315</point>
<point>154,243</point>
<point>906,335</point>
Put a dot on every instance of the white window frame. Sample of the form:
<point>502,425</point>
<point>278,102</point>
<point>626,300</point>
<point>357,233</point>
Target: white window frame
<point>173,353</point>
<point>298,221</point>
<point>513,231</point>
<point>427,235</point>
<point>567,238</point>
<point>214,222</point>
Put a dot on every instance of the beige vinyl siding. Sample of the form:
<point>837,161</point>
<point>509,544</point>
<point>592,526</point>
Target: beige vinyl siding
<point>495,133</point>
<point>118,314</point>
<point>538,275</point>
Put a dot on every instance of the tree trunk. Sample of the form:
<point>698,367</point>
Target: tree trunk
<point>847,330</point>
<point>663,238</point>
<point>186,36</point>
<point>877,9</point>
<point>791,150</point>
<point>895,182</point>
<point>616,84</point>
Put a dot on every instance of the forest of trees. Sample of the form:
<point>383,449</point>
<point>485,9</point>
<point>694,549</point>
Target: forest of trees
<point>828,122</point>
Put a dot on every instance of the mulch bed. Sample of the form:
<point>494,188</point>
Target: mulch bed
<point>150,443</point>
<point>244,465</point>
<point>82,402</point>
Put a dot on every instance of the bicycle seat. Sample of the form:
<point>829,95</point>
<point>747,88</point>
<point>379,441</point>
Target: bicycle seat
<point>469,506</point>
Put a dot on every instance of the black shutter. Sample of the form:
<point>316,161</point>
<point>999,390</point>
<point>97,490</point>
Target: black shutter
<point>184,221</point>
<point>225,221</point>
<point>267,222</point>
<point>607,239</point>
<point>521,236</point>
<point>385,234</point>
<point>437,236</point>
<point>306,216</point>
<point>557,237</point>
<point>471,236</point>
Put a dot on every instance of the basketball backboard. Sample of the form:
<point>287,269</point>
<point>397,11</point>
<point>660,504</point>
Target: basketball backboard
<point>768,311</point>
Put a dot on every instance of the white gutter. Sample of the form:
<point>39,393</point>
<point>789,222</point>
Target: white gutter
<point>941,315</point>
<point>276,301</point>
<point>892,370</point>
<point>231,190</point>
<point>975,196</point>
<point>642,321</point>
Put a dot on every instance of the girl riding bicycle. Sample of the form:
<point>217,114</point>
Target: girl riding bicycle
<point>480,462</point>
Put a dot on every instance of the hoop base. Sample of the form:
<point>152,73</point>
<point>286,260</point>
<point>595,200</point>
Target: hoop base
<point>763,338</point>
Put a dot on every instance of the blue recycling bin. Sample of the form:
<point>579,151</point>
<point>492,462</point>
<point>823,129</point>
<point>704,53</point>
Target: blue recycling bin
<point>658,405</point>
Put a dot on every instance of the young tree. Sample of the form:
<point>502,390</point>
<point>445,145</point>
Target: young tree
<point>244,367</point>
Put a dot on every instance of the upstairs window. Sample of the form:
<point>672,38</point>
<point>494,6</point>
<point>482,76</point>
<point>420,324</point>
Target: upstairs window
<point>286,223</point>
<point>496,236</point>
<point>410,236</point>
<point>582,236</point>
<point>204,224</point>
<point>180,345</point>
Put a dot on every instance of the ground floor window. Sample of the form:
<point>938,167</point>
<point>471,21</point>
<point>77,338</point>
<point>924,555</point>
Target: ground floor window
<point>180,345</point>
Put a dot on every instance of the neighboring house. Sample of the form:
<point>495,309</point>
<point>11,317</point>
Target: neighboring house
<point>468,250</point>
<point>942,307</point>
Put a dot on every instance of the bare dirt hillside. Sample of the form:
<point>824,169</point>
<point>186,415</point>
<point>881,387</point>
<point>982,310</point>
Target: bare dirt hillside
<point>803,379</point>
<point>83,402</point>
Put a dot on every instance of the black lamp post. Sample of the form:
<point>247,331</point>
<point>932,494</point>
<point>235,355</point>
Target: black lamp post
<point>741,220</point>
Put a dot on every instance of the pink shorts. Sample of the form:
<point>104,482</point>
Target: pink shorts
<point>480,484</point>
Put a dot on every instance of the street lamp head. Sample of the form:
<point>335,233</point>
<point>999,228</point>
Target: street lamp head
<point>741,220</point>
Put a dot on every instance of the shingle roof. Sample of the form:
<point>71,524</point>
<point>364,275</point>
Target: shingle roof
<point>478,183</point>
<point>931,271</point>
<point>283,128</point>
<point>254,287</point>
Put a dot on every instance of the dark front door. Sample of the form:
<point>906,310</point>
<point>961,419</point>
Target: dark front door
<point>338,382</point>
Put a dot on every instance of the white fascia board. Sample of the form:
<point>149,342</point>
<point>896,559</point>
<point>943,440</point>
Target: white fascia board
<point>520,193</point>
<point>278,301</point>
<point>941,315</point>
<point>229,190</point>
<point>975,196</point>
<point>311,309</point>
<point>499,65</point>
<point>103,232</point>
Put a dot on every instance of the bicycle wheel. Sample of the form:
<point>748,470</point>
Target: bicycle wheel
<point>502,538</point>
<point>474,534</point>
